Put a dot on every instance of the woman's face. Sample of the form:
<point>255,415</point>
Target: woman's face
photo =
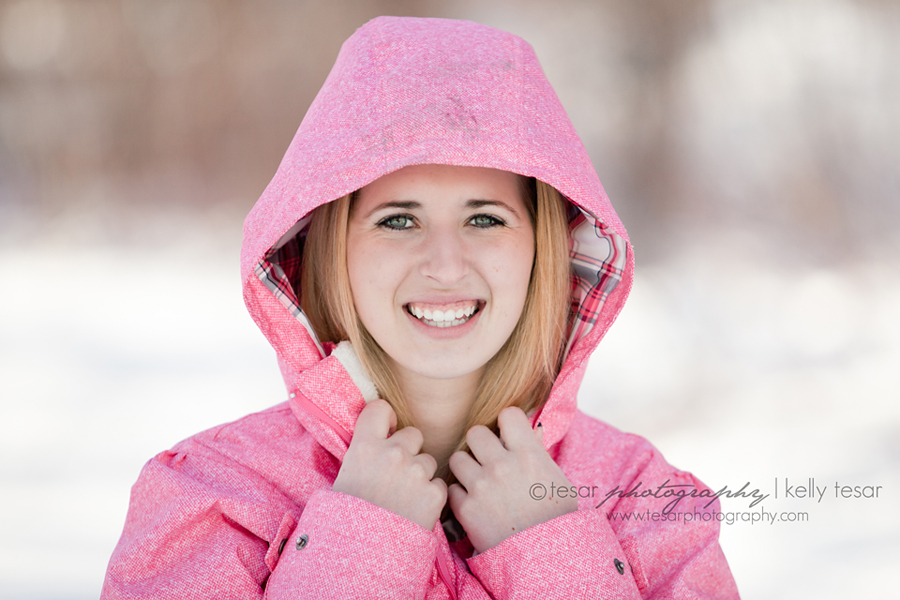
<point>440,260</point>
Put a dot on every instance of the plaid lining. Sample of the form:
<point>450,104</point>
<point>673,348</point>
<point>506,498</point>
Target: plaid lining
<point>598,263</point>
<point>280,267</point>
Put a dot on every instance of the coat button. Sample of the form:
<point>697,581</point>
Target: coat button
<point>302,541</point>
<point>620,566</point>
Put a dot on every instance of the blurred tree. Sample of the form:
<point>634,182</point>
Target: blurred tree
<point>697,113</point>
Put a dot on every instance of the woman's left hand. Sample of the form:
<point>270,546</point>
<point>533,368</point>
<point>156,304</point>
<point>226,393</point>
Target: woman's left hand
<point>497,498</point>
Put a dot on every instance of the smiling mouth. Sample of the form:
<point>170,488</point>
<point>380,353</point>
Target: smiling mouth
<point>451,315</point>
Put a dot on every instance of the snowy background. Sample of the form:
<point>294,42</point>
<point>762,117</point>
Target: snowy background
<point>751,148</point>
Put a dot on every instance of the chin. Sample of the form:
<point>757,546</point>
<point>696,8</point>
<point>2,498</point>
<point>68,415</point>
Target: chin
<point>443,367</point>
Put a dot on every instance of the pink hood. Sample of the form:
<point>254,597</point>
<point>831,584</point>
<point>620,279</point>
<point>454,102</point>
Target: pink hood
<point>408,91</point>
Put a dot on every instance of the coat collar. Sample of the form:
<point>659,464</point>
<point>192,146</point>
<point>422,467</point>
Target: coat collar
<point>327,402</point>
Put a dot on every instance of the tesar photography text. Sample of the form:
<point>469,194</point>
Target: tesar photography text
<point>620,504</point>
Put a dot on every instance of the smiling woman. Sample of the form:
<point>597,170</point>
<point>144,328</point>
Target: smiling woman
<point>428,239</point>
<point>441,253</point>
<point>434,262</point>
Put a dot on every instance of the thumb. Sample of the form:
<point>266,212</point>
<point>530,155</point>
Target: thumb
<point>377,419</point>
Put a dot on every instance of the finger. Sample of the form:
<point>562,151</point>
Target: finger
<point>515,429</point>
<point>428,463</point>
<point>484,444</point>
<point>456,494</point>
<point>410,439</point>
<point>375,420</point>
<point>464,467</point>
<point>442,486</point>
<point>434,499</point>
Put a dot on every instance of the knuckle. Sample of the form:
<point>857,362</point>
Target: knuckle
<point>395,454</point>
<point>429,462</point>
<point>382,407</point>
<point>479,486</point>
<point>502,470</point>
<point>415,435</point>
<point>419,470</point>
<point>435,495</point>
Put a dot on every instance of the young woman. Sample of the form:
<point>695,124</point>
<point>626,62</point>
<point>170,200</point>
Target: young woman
<point>433,263</point>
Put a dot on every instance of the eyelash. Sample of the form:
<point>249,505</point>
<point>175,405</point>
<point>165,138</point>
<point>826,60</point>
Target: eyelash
<point>386,222</point>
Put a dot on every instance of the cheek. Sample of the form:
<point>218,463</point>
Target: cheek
<point>511,272</point>
<point>372,274</point>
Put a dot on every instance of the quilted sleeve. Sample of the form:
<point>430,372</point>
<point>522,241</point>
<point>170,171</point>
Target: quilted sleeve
<point>572,556</point>
<point>189,538</point>
<point>630,550</point>
<point>200,527</point>
<point>345,547</point>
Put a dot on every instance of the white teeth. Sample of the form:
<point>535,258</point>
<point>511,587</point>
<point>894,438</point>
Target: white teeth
<point>442,318</point>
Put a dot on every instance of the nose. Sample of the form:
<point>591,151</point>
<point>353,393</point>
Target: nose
<point>443,256</point>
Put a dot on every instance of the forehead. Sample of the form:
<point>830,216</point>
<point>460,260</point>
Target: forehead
<point>443,183</point>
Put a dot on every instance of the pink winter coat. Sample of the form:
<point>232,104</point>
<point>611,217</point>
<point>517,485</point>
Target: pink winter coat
<point>246,510</point>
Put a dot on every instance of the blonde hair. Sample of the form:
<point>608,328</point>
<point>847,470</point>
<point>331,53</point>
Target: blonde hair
<point>523,370</point>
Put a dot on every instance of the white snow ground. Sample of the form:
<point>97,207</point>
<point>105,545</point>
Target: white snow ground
<point>737,368</point>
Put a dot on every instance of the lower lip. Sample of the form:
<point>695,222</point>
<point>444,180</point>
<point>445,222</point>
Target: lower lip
<point>444,333</point>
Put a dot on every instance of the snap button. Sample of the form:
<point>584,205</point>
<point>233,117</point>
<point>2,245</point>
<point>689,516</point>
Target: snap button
<point>302,541</point>
<point>620,566</point>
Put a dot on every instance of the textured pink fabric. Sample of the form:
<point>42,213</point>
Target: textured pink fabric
<point>245,510</point>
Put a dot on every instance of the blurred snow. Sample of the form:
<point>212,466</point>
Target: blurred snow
<point>738,368</point>
<point>742,369</point>
<point>750,146</point>
<point>109,355</point>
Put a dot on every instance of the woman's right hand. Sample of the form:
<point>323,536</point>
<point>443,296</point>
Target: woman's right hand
<point>388,471</point>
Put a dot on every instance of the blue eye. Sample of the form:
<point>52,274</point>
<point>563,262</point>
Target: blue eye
<point>396,222</point>
<point>486,221</point>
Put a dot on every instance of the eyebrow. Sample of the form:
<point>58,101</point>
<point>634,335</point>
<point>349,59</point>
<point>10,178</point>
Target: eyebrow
<point>480,203</point>
<point>406,205</point>
<point>412,205</point>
